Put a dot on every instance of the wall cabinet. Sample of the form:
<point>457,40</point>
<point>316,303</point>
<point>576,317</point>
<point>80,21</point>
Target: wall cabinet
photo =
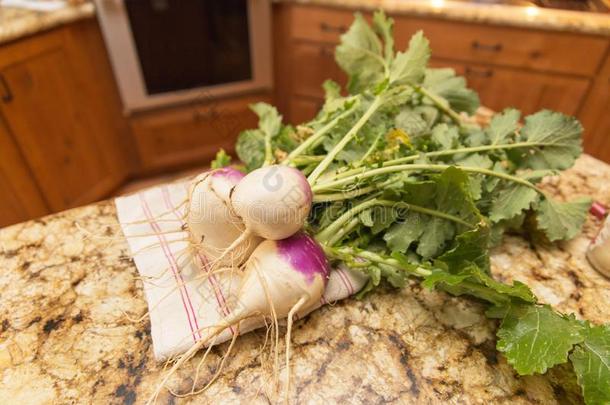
<point>62,114</point>
<point>508,67</point>
<point>595,115</point>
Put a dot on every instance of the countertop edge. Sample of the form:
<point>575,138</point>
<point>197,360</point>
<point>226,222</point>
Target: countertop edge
<point>586,23</point>
<point>33,22</point>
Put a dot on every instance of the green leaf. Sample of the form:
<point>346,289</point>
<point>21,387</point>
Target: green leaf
<point>558,136</point>
<point>383,26</point>
<point>511,200</point>
<point>250,148</point>
<point>269,120</point>
<point>534,338</point>
<point>502,126</point>
<point>562,220</point>
<point>444,83</point>
<point>445,136</point>
<point>411,122</point>
<point>433,239</point>
<point>470,247</point>
<point>402,234</point>
<point>221,160</point>
<point>439,276</point>
<point>359,54</point>
<point>410,67</point>
<point>591,360</point>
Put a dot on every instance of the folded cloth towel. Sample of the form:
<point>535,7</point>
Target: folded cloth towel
<point>182,299</point>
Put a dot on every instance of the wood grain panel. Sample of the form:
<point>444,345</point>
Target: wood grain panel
<point>193,133</point>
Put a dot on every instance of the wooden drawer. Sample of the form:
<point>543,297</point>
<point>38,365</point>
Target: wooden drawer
<point>191,133</point>
<point>543,51</point>
<point>303,109</point>
<point>313,64</point>
<point>530,92</point>
<point>319,23</point>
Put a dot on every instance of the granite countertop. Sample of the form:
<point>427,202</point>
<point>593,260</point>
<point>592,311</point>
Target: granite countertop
<point>18,22</point>
<point>69,294</point>
<point>528,17</point>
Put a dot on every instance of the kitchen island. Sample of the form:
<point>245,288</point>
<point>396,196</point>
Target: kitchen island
<point>70,296</point>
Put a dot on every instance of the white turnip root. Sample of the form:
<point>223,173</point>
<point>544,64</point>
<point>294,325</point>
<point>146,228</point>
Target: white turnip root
<point>281,278</point>
<point>272,202</point>
<point>211,223</point>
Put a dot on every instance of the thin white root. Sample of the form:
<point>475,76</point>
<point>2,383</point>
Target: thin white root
<point>214,332</point>
<point>276,366</point>
<point>244,236</point>
<point>293,311</point>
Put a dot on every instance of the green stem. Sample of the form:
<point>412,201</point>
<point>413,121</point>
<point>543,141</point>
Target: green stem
<point>268,151</point>
<point>370,150</point>
<point>344,231</point>
<point>313,177</point>
<point>440,104</point>
<point>305,159</point>
<point>327,233</point>
<point>332,185</point>
<point>468,287</point>
<point>315,137</point>
<point>345,195</point>
<point>450,152</point>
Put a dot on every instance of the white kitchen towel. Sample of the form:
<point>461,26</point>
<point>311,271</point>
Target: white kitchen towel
<point>181,298</point>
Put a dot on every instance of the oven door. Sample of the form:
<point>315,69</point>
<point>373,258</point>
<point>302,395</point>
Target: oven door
<point>167,52</point>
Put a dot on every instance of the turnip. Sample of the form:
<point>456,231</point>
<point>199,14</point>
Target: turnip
<point>272,202</point>
<point>211,223</point>
<point>281,278</point>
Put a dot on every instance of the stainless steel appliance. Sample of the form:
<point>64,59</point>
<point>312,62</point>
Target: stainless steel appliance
<point>171,51</point>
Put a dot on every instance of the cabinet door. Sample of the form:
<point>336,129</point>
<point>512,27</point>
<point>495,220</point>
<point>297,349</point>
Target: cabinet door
<point>303,109</point>
<point>20,198</point>
<point>191,134</point>
<point>314,64</point>
<point>595,116</point>
<point>529,92</point>
<point>64,137</point>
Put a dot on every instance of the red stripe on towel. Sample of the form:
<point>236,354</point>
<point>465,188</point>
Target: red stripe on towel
<point>220,299</point>
<point>184,296</point>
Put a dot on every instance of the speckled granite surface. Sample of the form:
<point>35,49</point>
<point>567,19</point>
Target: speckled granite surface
<point>543,18</point>
<point>67,287</point>
<point>17,22</point>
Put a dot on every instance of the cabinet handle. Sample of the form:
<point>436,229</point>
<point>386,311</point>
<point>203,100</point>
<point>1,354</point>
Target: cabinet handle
<point>324,51</point>
<point>479,72</point>
<point>332,28</point>
<point>486,47</point>
<point>5,91</point>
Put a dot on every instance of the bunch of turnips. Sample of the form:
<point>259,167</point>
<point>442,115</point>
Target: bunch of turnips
<point>392,178</point>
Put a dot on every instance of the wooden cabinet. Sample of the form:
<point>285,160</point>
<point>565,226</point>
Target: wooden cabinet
<point>21,198</point>
<point>191,134</point>
<point>509,67</point>
<point>313,64</point>
<point>504,46</point>
<point>63,114</point>
<point>595,116</point>
<point>529,91</point>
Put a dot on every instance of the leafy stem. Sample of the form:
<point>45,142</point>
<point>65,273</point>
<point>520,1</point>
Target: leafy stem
<point>333,185</point>
<point>309,142</point>
<point>441,104</point>
<point>472,288</point>
<point>323,165</point>
<point>327,233</point>
<point>472,149</point>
